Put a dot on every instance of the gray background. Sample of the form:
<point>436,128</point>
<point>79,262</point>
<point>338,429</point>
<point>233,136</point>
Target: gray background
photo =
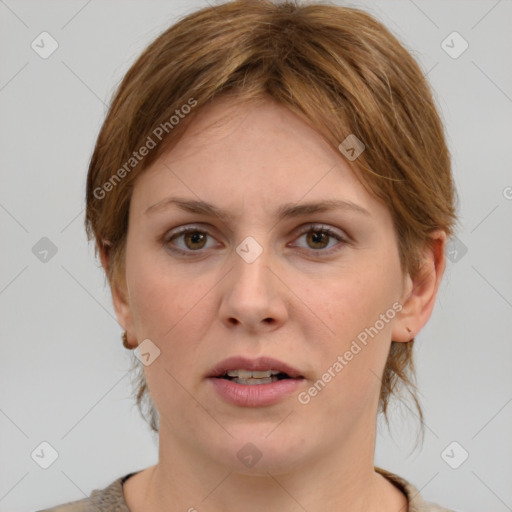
<point>64,371</point>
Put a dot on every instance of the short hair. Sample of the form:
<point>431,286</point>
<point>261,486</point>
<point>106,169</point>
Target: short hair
<point>338,68</point>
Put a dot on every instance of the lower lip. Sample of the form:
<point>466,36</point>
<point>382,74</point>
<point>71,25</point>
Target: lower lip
<point>256,395</point>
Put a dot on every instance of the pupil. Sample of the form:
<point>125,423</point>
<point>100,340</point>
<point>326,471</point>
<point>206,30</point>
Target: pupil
<point>196,238</point>
<point>317,237</point>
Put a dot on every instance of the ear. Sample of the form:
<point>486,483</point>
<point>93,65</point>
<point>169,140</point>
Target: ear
<point>119,296</point>
<point>420,292</point>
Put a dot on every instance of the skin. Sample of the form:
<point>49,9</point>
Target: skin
<point>291,303</point>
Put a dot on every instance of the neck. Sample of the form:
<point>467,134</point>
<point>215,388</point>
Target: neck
<point>343,479</point>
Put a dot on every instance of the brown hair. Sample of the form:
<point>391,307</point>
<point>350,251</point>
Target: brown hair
<point>336,67</point>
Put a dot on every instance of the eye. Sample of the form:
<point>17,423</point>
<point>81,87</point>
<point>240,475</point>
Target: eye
<point>318,238</point>
<point>192,239</point>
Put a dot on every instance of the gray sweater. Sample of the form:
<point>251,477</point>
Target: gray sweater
<point>111,498</point>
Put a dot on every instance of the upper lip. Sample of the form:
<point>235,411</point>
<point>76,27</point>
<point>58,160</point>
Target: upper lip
<point>259,364</point>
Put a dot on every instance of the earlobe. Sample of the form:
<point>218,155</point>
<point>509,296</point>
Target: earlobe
<point>420,291</point>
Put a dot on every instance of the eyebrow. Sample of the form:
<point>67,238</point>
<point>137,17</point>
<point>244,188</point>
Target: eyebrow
<point>288,210</point>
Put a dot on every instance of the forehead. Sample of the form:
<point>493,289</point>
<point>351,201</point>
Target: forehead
<point>257,153</point>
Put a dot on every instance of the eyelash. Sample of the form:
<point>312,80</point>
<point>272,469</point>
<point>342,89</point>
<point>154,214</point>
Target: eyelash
<point>311,228</point>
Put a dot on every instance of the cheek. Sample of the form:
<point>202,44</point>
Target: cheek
<point>154,302</point>
<point>358,309</point>
<point>168,306</point>
<point>356,301</point>
<point>170,309</point>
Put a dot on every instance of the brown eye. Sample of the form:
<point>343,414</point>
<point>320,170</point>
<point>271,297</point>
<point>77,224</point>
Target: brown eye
<point>194,239</point>
<point>317,239</point>
<point>188,240</point>
<point>323,240</point>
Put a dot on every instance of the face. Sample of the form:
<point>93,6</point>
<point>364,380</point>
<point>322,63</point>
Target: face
<point>317,289</point>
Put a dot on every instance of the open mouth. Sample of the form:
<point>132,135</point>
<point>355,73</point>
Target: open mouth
<point>251,378</point>
<point>249,382</point>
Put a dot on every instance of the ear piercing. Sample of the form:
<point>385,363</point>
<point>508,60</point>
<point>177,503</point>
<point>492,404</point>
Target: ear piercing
<point>124,337</point>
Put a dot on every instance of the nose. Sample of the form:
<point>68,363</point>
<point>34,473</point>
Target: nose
<point>253,295</point>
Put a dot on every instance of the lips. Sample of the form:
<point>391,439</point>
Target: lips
<point>244,382</point>
<point>260,364</point>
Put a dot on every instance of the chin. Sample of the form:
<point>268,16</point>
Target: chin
<point>257,454</point>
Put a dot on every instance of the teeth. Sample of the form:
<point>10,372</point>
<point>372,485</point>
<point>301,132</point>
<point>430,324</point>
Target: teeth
<point>251,382</point>
<point>246,374</point>
<point>262,374</point>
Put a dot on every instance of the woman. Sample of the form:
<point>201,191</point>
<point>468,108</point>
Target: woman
<point>270,196</point>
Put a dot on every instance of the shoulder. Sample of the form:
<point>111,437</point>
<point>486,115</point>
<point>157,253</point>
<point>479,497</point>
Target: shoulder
<point>109,499</point>
<point>416,502</point>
